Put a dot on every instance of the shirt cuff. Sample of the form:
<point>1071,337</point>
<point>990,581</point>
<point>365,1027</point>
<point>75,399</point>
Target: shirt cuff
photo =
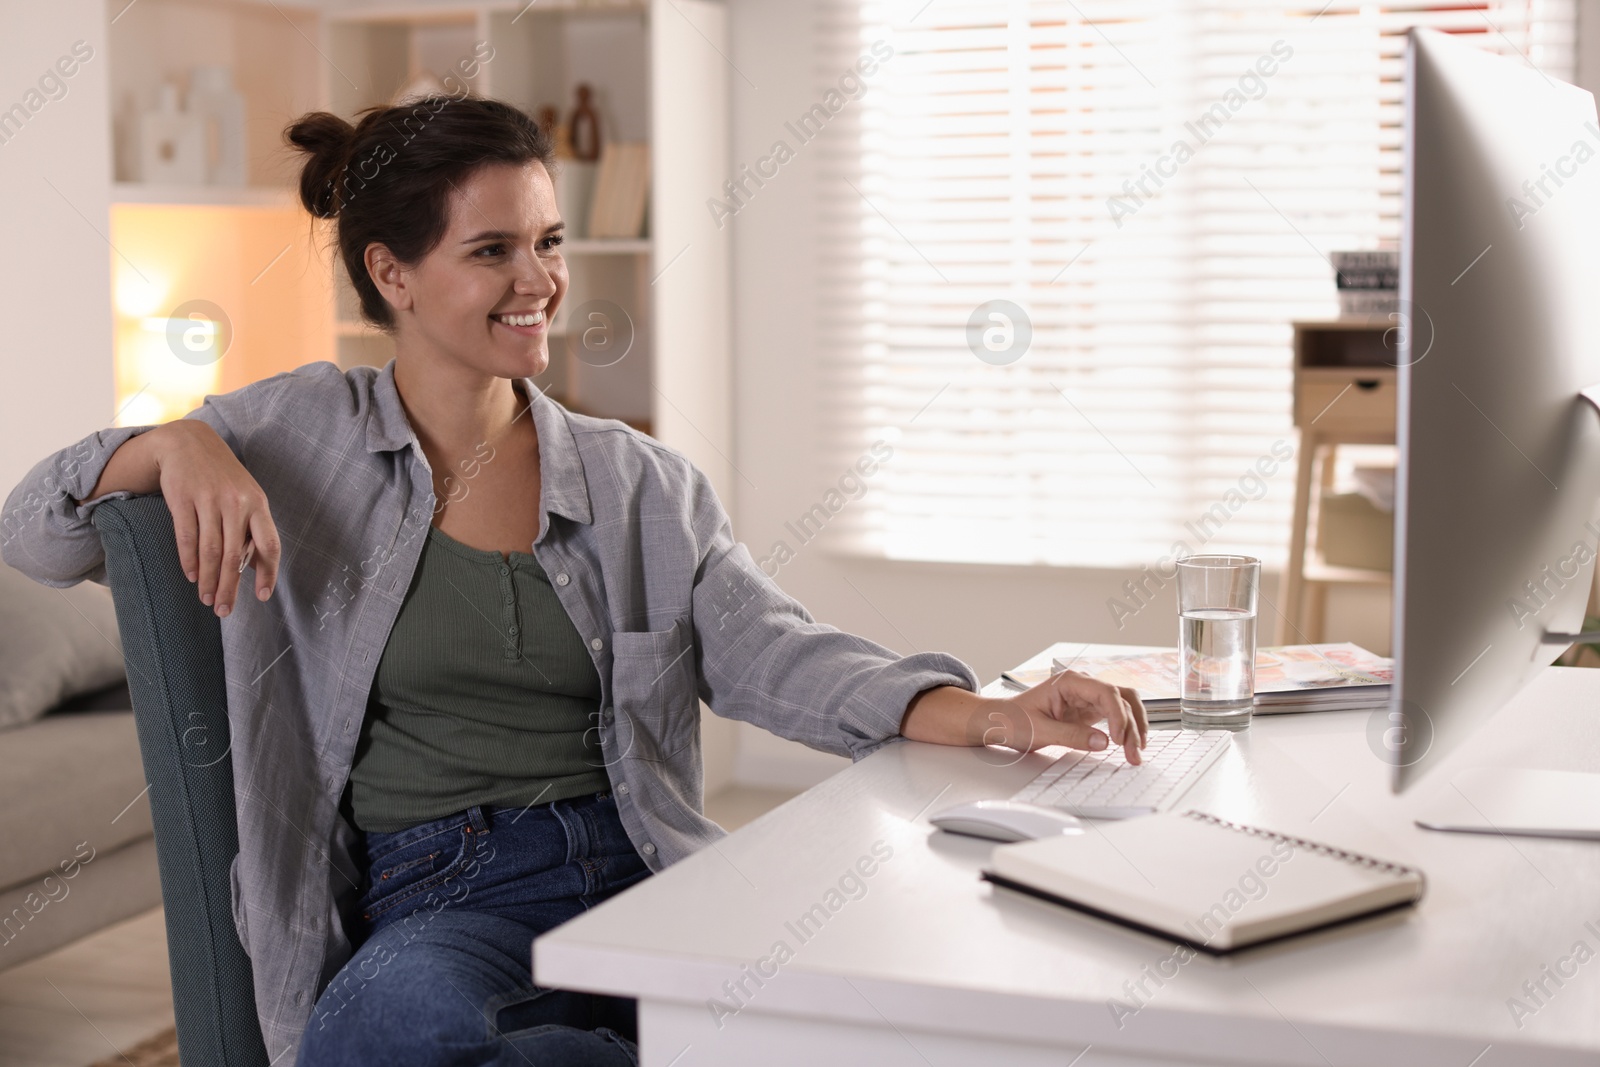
<point>873,715</point>
<point>77,474</point>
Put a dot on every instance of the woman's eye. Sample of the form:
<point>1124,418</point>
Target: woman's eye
<point>547,244</point>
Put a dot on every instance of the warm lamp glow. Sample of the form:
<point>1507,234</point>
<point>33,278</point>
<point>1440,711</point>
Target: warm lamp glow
<point>137,297</point>
<point>167,387</point>
<point>209,298</point>
<point>142,410</point>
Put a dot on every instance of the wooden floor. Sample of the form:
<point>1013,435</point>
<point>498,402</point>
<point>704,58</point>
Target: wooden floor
<point>100,995</point>
<point>87,1000</point>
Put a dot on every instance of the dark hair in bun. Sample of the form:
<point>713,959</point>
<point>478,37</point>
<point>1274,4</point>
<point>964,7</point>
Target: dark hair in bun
<point>388,178</point>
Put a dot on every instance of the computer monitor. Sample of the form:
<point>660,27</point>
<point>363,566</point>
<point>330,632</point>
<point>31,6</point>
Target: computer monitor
<point>1496,520</point>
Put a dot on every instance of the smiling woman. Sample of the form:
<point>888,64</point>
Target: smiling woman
<point>447,224</point>
<point>452,240</point>
<point>478,690</point>
<point>416,202</point>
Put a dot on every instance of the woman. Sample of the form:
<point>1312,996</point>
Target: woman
<point>469,709</point>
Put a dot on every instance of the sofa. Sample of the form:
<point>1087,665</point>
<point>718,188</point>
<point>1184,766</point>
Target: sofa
<point>77,848</point>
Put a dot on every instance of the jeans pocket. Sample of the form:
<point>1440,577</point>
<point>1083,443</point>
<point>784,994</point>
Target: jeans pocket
<point>412,870</point>
<point>617,863</point>
<point>619,872</point>
<point>654,689</point>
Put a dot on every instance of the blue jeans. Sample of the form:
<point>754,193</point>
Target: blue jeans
<point>443,934</point>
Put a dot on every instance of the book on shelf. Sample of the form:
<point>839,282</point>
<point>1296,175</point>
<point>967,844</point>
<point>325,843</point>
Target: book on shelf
<point>621,187</point>
<point>1368,282</point>
<point>1322,677</point>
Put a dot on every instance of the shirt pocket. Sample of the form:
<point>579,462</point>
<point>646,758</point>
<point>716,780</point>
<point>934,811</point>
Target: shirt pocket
<point>653,689</point>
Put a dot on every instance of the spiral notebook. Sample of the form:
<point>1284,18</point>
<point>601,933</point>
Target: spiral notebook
<point>1214,885</point>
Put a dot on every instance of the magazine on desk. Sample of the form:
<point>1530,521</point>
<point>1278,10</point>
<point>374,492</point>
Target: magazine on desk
<point>1324,677</point>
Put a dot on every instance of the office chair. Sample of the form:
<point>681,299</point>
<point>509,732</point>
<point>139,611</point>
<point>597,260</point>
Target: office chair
<point>173,647</point>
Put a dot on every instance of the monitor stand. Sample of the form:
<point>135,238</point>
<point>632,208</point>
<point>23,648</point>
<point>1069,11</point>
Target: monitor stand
<point>1518,803</point>
<point>1522,803</point>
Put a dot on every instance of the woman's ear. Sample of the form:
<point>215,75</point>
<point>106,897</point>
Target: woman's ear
<point>389,275</point>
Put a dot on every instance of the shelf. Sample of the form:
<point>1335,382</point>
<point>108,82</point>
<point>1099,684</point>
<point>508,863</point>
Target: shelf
<point>1348,322</point>
<point>1318,571</point>
<point>204,195</point>
<point>644,426</point>
<point>434,15</point>
<point>601,246</point>
<point>410,16</point>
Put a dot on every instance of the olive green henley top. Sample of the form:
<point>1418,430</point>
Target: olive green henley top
<point>485,694</point>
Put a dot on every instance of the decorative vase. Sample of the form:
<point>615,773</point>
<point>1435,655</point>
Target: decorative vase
<point>574,193</point>
<point>171,143</point>
<point>220,107</point>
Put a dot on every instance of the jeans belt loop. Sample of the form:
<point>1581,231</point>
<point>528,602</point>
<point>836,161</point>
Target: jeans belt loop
<point>477,821</point>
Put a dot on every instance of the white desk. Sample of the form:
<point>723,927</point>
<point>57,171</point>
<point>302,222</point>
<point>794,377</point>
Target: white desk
<point>932,967</point>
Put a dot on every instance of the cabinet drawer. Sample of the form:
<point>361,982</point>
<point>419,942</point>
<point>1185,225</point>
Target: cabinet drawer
<point>1345,399</point>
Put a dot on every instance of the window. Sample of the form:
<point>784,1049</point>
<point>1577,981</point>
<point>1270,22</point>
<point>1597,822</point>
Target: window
<point>1156,187</point>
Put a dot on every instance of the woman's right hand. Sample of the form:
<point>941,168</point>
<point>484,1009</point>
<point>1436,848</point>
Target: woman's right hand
<point>217,508</point>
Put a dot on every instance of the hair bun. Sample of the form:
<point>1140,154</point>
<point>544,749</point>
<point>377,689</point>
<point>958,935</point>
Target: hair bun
<point>327,140</point>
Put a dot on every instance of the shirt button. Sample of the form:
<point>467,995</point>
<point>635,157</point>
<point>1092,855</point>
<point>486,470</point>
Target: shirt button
<point>597,644</point>
<point>504,569</point>
<point>622,790</point>
<point>347,726</point>
<point>605,716</point>
<point>299,996</point>
<point>513,628</point>
<point>648,849</point>
<point>562,579</point>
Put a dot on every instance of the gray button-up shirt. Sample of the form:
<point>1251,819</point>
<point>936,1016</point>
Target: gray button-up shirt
<point>673,609</point>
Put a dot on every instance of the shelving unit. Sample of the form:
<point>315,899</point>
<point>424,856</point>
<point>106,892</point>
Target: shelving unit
<point>246,251</point>
<point>1344,394</point>
<point>278,196</point>
<point>657,77</point>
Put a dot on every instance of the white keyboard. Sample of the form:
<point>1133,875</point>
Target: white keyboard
<point>1104,785</point>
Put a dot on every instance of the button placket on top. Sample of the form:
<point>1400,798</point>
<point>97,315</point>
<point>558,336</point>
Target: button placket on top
<point>508,612</point>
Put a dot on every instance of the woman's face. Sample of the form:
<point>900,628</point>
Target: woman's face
<point>485,296</point>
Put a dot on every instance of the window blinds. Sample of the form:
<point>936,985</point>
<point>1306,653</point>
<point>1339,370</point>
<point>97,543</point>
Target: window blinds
<point>1156,186</point>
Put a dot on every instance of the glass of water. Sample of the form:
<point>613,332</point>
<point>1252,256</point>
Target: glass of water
<point>1217,640</point>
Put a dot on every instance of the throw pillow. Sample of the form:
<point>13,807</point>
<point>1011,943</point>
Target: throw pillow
<point>54,644</point>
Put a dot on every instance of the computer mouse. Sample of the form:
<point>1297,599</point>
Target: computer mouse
<point>1006,820</point>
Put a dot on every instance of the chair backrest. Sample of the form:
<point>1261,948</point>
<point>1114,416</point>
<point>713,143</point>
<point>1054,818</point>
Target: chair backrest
<point>173,647</point>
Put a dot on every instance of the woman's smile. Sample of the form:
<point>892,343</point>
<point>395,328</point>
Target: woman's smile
<point>527,323</point>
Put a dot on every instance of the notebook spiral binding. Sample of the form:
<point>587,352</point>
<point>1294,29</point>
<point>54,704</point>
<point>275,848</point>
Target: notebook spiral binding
<point>1358,858</point>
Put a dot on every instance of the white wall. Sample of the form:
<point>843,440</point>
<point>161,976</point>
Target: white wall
<point>55,274</point>
<point>990,616</point>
